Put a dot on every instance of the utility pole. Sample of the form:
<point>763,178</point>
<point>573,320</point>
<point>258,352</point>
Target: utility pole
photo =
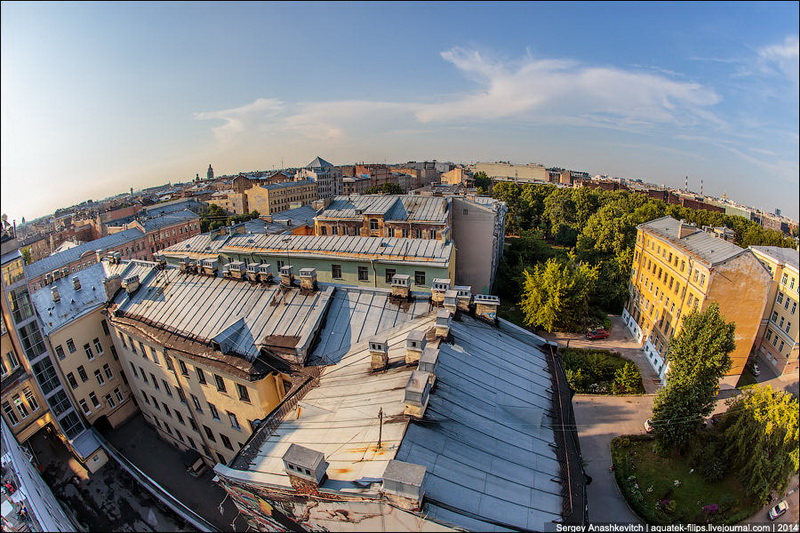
<point>380,426</point>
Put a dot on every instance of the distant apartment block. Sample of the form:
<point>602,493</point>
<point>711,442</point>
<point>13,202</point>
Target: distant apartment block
<point>677,268</point>
<point>327,177</point>
<point>777,340</point>
<point>269,199</point>
<point>518,173</point>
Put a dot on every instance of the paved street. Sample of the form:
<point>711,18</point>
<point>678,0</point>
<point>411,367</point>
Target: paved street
<point>599,419</point>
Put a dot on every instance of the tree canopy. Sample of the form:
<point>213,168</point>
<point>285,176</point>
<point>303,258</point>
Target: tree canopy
<point>761,436</point>
<point>386,188</point>
<point>698,358</point>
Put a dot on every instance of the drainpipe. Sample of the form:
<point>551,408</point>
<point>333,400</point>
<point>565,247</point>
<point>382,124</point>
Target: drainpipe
<point>374,273</point>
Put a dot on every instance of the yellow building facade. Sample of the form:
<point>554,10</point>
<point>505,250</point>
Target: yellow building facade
<point>678,268</point>
<point>777,341</point>
<point>269,199</point>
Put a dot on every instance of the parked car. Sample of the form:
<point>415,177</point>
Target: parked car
<point>778,510</point>
<point>648,425</point>
<point>596,334</point>
<point>754,369</point>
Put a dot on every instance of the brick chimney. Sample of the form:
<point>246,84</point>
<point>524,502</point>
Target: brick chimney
<point>379,352</point>
<point>415,343</point>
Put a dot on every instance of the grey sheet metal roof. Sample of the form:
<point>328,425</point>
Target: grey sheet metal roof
<point>703,245</point>
<point>73,304</point>
<point>174,205</point>
<point>355,315</point>
<point>394,208</point>
<point>73,254</point>
<point>343,247</point>
<point>199,246</point>
<point>318,162</point>
<point>297,216</point>
<point>788,256</point>
<point>488,445</point>
<point>287,184</point>
<point>240,316</point>
<point>168,219</point>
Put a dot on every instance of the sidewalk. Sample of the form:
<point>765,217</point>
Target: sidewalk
<point>140,443</point>
<point>619,340</point>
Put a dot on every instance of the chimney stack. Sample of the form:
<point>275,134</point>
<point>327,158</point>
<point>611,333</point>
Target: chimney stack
<point>308,279</point>
<point>486,307</point>
<point>401,286</point>
<point>464,297</point>
<point>415,343</point>
<point>404,484</point>
<point>379,352</point>
<point>428,360</point>
<point>54,293</point>
<point>286,275</point>
<point>686,229</point>
<point>439,287</point>
<point>306,468</point>
<point>131,284</point>
<point>451,300</point>
<point>417,393</point>
<point>76,283</point>
<point>111,285</point>
<point>443,323</point>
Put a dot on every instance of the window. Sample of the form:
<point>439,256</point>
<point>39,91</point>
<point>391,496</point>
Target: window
<point>769,335</point>
<point>780,297</point>
<point>279,263</point>
<point>220,383</point>
<point>209,434</point>
<point>196,404</point>
<point>157,422</point>
<point>105,327</point>
<point>781,322</point>
<point>226,441</point>
<point>114,352</point>
<point>243,394</point>
<point>181,395</point>
<point>110,401</point>
<point>794,307</point>
<point>184,370</point>
<point>93,398</point>
<point>107,370</point>
<point>136,374</point>
<point>324,230</point>
<point>119,395</point>
<point>168,362</point>
<point>200,376</point>
<point>193,424</point>
<point>85,407</point>
<point>144,397</point>
<point>21,407</point>
<point>122,338</point>
<point>788,327</point>
<point>32,341</point>
<point>166,410</point>
<point>72,381</point>
<point>133,346</point>
<point>167,429</point>
<point>179,416</point>
<point>774,316</point>
<point>791,285</point>
<point>144,376</point>
<point>12,416</point>
<point>60,353</point>
<point>234,421</point>
<point>178,433</point>
<point>336,271</point>
<point>21,306</point>
<point>221,458</point>
<point>784,278</point>
<point>363,274</point>
<point>786,305</point>
<point>82,374</point>
<point>88,350</point>
<point>12,359</point>
<point>98,347</point>
<point>780,349</point>
<point>214,412</point>
<point>155,381</point>
<point>167,388</point>
<point>419,277</point>
<point>100,379</point>
<point>373,223</point>
<point>144,352</point>
<point>155,355</point>
<point>155,403</point>
<point>191,442</point>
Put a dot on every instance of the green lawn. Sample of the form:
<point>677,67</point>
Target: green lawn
<point>593,371</point>
<point>646,479</point>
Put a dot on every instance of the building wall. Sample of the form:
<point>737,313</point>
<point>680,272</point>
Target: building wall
<point>77,342</point>
<point>173,400</point>
<point>169,235</point>
<point>506,171</point>
<point>375,271</point>
<point>269,201</point>
<point>667,282</point>
<point>777,339</point>
<point>478,236</point>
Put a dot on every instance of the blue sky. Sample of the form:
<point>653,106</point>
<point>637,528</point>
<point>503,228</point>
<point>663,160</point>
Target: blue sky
<point>100,97</point>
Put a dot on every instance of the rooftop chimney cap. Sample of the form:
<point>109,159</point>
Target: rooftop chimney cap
<point>404,479</point>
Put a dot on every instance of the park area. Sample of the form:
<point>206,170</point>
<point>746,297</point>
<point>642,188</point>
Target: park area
<point>592,371</point>
<point>669,490</point>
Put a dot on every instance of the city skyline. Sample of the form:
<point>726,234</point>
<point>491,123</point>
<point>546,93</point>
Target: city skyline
<point>100,97</point>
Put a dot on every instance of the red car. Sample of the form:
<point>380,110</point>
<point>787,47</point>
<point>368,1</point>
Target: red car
<point>596,334</point>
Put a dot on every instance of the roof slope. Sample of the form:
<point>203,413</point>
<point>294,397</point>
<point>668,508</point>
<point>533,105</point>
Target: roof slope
<point>73,254</point>
<point>489,448</point>
<point>703,245</point>
<point>318,162</point>
<point>787,256</point>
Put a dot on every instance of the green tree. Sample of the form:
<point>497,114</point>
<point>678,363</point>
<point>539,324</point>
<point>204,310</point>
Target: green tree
<point>482,182</point>
<point>518,217</point>
<point>761,435</point>
<point>212,217</point>
<point>556,294</point>
<point>698,358</point>
<point>386,188</point>
<point>627,379</point>
<point>26,254</point>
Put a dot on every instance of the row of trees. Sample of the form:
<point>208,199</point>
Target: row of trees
<point>758,436</point>
<point>214,217</point>
<point>587,235</point>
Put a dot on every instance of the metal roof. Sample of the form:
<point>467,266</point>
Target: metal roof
<point>409,208</point>
<point>297,216</point>
<point>286,184</point>
<point>788,256</point>
<point>73,304</point>
<point>174,205</point>
<point>240,316</point>
<point>705,246</point>
<point>168,219</point>
<point>489,444</point>
<point>66,257</point>
<point>342,247</point>
<point>318,162</point>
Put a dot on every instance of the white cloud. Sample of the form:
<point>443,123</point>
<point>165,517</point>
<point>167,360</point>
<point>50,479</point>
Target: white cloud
<point>543,90</point>
<point>241,120</point>
<point>781,57</point>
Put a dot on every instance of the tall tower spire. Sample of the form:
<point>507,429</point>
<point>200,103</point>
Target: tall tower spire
<point>686,184</point>
<point>210,172</point>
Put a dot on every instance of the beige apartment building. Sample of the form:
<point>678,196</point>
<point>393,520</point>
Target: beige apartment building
<point>210,357</point>
<point>777,341</point>
<point>79,337</point>
<point>678,268</point>
<point>277,197</point>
